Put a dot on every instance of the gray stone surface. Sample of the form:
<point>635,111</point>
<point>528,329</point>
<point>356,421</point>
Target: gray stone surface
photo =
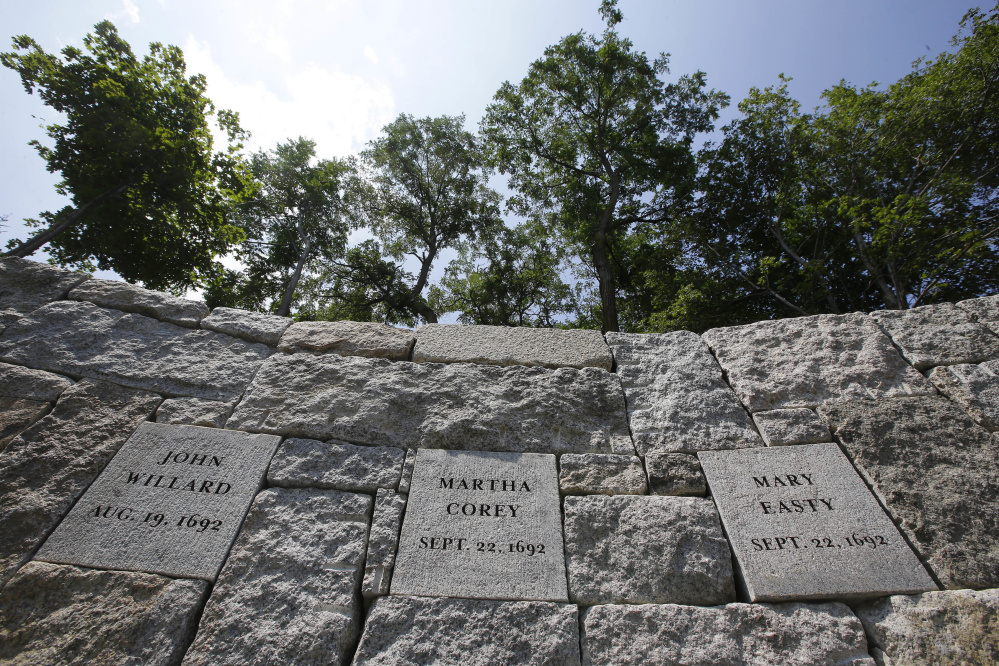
<point>194,411</point>
<point>8,317</point>
<point>808,361</point>
<point>401,631</point>
<point>251,326</point>
<point>675,474</point>
<point>935,470</point>
<point>348,338</point>
<point>800,425</point>
<point>309,463</point>
<point>984,310</point>
<point>407,471</point>
<point>170,502</point>
<point>383,540</point>
<point>118,295</point>
<point>788,634</point>
<point>288,592</point>
<point>677,398</point>
<point>941,334</point>
<point>974,387</point>
<point>26,285</point>
<point>60,615</point>
<point>803,525</point>
<point>503,345</point>
<point>456,406</point>
<point>48,466</point>
<point>18,382</point>
<point>482,526</point>
<point>642,549</point>
<point>600,474</point>
<point>948,628</point>
<point>82,340</point>
<point>17,414</point>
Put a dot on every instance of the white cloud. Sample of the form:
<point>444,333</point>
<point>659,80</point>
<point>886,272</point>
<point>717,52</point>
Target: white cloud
<point>370,54</point>
<point>129,10</point>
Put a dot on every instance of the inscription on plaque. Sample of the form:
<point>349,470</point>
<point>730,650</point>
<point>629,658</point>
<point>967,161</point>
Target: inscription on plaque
<point>804,525</point>
<point>482,526</point>
<point>170,502</point>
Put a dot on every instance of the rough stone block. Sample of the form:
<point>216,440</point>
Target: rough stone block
<point>809,361</point>
<point>18,382</point>
<point>17,414</point>
<point>600,474</point>
<point>984,310</point>
<point>251,326</point>
<point>935,628</point>
<point>8,317</point>
<point>407,471</point>
<point>974,387</point>
<point>642,549</point>
<point>733,634</point>
<point>83,340</point>
<point>26,285</point>
<point>677,398</point>
<point>401,631</point>
<point>934,468</point>
<point>383,541</point>
<point>288,592</point>
<point>348,338</point>
<point>194,411</point>
<point>676,474</point>
<point>117,295</point>
<point>482,526</point>
<point>309,463</point>
<point>803,525</point>
<point>170,502</point>
<point>456,406</point>
<point>48,466</point>
<point>503,345</point>
<point>781,427</point>
<point>941,334</point>
<point>60,615</point>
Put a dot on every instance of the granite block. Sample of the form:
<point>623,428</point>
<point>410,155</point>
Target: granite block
<point>348,338</point>
<point>250,326</point>
<point>973,387</point>
<point>941,334</point>
<point>194,411</point>
<point>503,345</point>
<point>309,463</point>
<point>601,474</point>
<point>118,295</point>
<point>27,285</point>
<point>801,425</point>
<point>383,541</point>
<point>676,474</point>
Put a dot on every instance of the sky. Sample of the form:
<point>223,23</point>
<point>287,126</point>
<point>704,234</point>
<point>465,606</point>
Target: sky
<point>337,71</point>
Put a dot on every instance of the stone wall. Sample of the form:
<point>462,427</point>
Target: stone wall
<point>185,486</point>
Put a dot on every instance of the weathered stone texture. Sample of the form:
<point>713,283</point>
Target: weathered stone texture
<point>194,411</point>
<point>941,334</point>
<point>401,631</point>
<point>456,406</point>
<point>792,634</point>
<point>783,427</point>
<point>950,628</point>
<point>503,345</point>
<point>599,474</point>
<point>117,295</point>
<point>348,338</point>
<point>677,398</point>
<point>17,414</point>
<point>81,340</point>
<point>407,471</point>
<point>288,592</point>
<point>26,285</point>
<point>808,361</point>
<point>984,310</point>
<point>383,541</point>
<point>646,549</point>
<point>8,317</point>
<point>309,463</point>
<point>675,474</point>
<point>18,382</point>
<point>250,326</point>
<point>974,387</point>
<point>54,614</point>
<point>49,465</point>
<point>934,468</point>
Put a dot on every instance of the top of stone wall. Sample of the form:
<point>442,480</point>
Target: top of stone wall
<point>117,295</point>
<point>27,285</point>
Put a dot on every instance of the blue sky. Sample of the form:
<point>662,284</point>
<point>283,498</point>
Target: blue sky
<point>336,71</point>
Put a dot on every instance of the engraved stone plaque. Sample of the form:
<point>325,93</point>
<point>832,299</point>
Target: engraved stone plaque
<point>170,502</point>
<point>804,525</point>
<point>482,526</point>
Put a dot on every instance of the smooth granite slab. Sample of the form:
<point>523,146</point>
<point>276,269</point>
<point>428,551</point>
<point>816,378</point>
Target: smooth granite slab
<point>482,526</point>
<point>170,502</point>
<point>504,345</point>
<point>803,525</point>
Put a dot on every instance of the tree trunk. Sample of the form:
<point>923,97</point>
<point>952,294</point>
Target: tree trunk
<point>416,303</point>
<point>295,277</point>
<point>601,261</point>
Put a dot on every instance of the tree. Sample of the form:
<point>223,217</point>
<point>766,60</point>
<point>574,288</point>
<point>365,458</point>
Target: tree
<point>599,147</point>
<point>150,198</point>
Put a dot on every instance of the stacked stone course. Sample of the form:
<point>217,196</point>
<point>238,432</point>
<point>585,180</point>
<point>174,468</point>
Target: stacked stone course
<point>904,404</point>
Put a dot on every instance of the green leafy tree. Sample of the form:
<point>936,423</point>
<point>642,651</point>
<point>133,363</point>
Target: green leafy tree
<point>150,198</point>
<point>598,147</point>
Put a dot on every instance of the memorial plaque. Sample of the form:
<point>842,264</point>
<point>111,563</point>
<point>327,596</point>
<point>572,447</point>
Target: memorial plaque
<point>804,525</point>
<point>482,526</point>
<point>170,502</point>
